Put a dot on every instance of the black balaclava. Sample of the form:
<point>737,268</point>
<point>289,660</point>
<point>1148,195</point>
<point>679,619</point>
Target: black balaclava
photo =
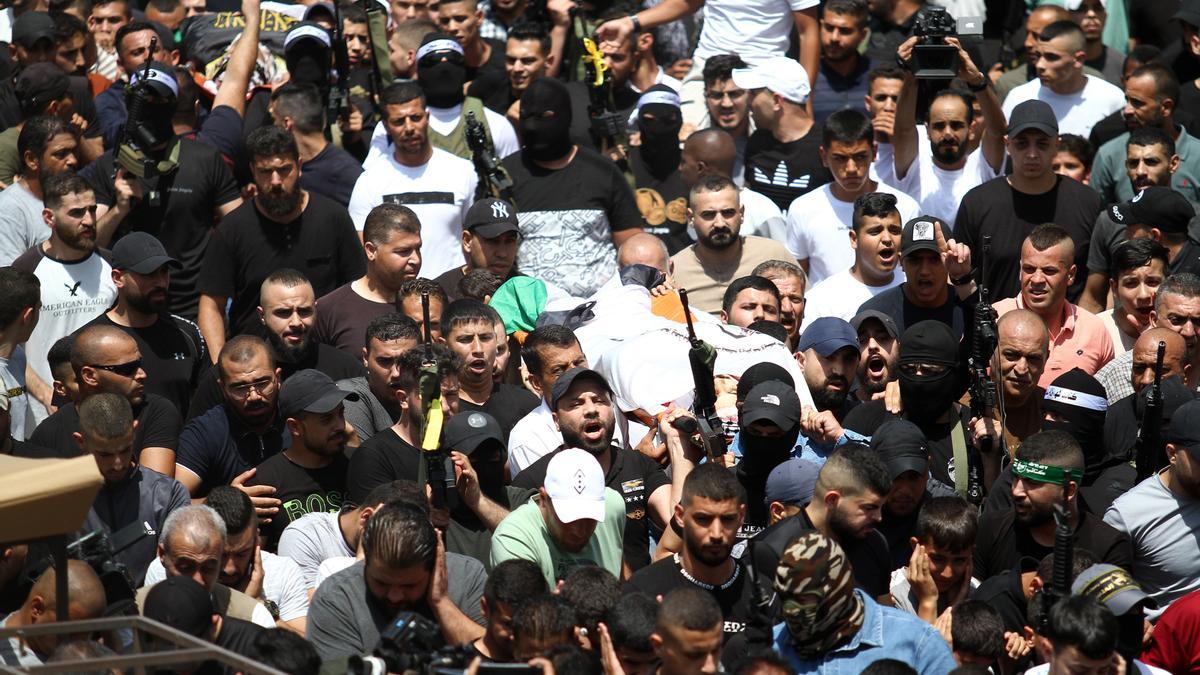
<point>1079,399</point>
<point>927,397</point>
<point>660,136</point>
<point>546,138</point>
<point>158,108</point>
<point>761,454</point>
<point>441,70</point>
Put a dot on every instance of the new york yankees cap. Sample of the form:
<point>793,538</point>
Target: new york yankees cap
<point>490,217</point>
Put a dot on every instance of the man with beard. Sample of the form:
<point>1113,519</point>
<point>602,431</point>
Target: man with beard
<point>287,311</point>
<point>749,300</point>
<point>818,221</point>
<point>709,515</point>
<point>714,151</point>
<point>247,567</point>
<point>1032,195</point>
<point>875,237</point>
<point>405,567</point>
<point>583,407</point>
<point>1139,267</point>
<point>721,253</point>
<point>930,384</point>
<point>841,76</point>
<point>106,360</point>
<point>1078,338</point>
<point>1159,516</point>
<point>310,474</point>
<point>131,492</point>
<point>172,347</point>
<point>437,185</point>
<point>76,280</point>
<point>576,207</point>
<point>283,226</point>
<point>1151,101</point>
<point>388,337</point>
<point>790,280</point>
<point>939,177</point>
<point>879,345</point>
<point>46,146</point>
<point>223,445</point>
<point>392,244</point>
<point>661,193</point>
<point>828,354</point>
<point>1047,471</point>
<point>328,169</point>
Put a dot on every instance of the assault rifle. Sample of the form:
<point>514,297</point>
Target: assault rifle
<point>493,179</point>
<point>1150,456</point>
<point>702,357</point>
<point>438,467</point>
<point>983,345</point>
<point>607,126</point>
<point>339,95</point>
<point>1059,587</point>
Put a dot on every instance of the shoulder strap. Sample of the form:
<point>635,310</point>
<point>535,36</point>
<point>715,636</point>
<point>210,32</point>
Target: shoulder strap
<point>958,440</point>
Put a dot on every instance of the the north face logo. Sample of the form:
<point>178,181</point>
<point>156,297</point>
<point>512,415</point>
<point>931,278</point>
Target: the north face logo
<point>1116,213</point>
<point>499,210</point>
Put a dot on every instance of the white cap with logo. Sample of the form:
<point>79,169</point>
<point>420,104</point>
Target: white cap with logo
<point>575,484</point>
<point>779,74</point>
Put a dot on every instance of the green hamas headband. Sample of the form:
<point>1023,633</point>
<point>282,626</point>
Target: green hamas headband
<point>1044,473</point>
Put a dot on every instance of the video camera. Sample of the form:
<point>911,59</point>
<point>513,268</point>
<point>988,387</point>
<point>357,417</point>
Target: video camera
<point>933,58</point>
<point>99,550</point>
<point>411,644</point>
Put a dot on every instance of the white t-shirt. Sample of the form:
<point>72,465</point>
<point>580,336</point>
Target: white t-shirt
<point>333,566</point>
<point>12,374</point>
<point>312,539</point>
<point>282,584</point>
<point>1077,113</point>
<point>818,228</point>
<point>439,191</point>
<point>443,121</point>
<point>752,29</point>
<point>1122,342</point>
<point>939,191</point>
<point>21,224</point>
<point>841,294</point>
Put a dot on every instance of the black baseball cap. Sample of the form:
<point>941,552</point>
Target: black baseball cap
<point>774,402</point>
<point>1032,114</point>
<point>564,382</point>
<point>467,431</point>
<point>889,324</point>
<point>1189,12</point>
<point>181,603</point>
<point>140,252</point>
<point>1155,206</point>
<point>758,373</point>
<point>40,83</point>
<point>310,390</point>
<point>31,27</point>
<point>920,234</point>
<point>490,217</point>
<point>902,446</point>
<point>306,30</point>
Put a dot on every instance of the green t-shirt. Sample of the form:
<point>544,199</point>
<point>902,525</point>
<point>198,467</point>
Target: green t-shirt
<point>10,160</point>
<point>524,535</point>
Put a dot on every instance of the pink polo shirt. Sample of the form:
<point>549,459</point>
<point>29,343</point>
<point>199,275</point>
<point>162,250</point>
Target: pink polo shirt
<point>1082,342</point>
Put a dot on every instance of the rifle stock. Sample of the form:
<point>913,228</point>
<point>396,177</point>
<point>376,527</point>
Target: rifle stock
<point>1150,455</point>
<point>493,179</point>
<point>983,345</point>
<point>701,358</point>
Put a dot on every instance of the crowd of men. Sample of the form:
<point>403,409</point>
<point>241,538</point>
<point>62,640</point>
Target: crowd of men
<point>675,336</point>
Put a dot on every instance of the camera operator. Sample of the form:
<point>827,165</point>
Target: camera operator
<point>405,568</point>
<point>86,601</point>
<point>131,493</point>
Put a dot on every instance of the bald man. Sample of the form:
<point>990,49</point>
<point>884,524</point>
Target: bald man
<point>712,152</point>
<point>105,359</point>
<point>1145,355</point>
<point>646,249</point>
<point>1038,18</point>
<point>86,600</point>
<point>1023,345</point>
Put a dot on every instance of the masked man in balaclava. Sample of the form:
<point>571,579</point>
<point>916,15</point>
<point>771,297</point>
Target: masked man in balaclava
<point>575,206</point>
<point>770,426</point>
<point>442,73</point>
<point>823,615</point>
<point>931,383</point>
<point>661,195</point>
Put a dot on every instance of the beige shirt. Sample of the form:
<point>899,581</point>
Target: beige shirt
<point>706,284</point>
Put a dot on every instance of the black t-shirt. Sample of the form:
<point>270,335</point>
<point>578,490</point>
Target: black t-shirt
<point>895,304</point>
<point>491,76</point>
<point>866,418</point>
<point>342,318</point>
<point>183,217</point>
<point>248,246</point>
<point>735,596</point>
<point>335,363</point>
<point>158,427</point>
<point>383,458</point>
<point>508,404</point>
<point>174,356</point>
<point>1004,593</point>
<point>300,490</point>
<point>662,202</point>
<point>784,171</point>
<point>868,557</point>
<point>635,477</point>
<point>451,278</point>
<point>1001,543</point>
<point>332,173</point>
<point>1008,216</point>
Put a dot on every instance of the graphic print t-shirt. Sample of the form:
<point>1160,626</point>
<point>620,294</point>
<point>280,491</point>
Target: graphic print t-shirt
<point>784,171</point>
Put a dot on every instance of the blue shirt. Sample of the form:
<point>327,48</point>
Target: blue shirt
<point>217,447</point>
<point>813,451</point>
<point>906,638</point>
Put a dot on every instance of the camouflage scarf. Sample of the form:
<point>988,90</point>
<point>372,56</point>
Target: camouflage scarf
<point>816,585</point>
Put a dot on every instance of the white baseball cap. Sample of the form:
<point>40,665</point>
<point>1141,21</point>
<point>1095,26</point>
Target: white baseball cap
<point>780,74</point>
<point>575,484</point>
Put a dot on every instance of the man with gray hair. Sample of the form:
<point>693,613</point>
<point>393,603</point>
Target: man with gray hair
<point>791,281</point>
<point>131,493</point>
<point>191,543</point>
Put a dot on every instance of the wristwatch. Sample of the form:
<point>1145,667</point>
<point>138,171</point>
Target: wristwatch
<point>964,279</point>
<point>637,24</point>
<point>979,87</point>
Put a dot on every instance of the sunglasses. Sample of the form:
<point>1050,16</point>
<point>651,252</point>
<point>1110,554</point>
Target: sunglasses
<point>123,369</point>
